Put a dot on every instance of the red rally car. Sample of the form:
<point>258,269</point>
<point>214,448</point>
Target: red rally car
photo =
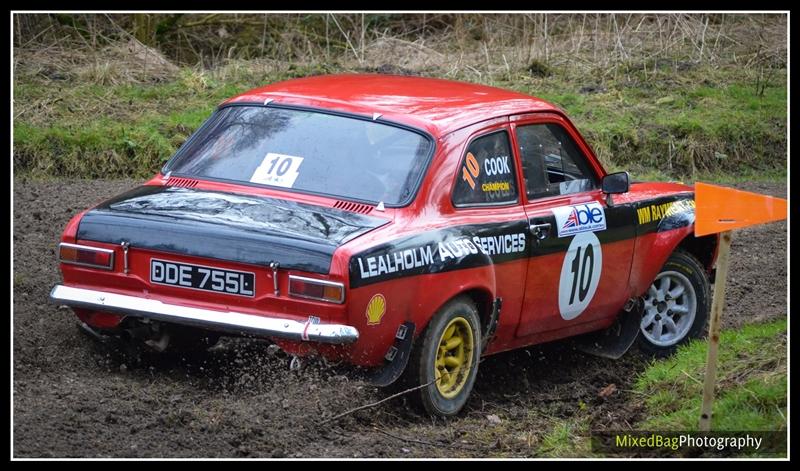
<point>405,225</point>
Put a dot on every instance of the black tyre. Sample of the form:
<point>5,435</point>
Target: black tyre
<point>445,357</point>
<point>676,305</point>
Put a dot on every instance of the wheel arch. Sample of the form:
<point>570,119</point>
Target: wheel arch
<point>651,254</point>
<point>483,299</point>
<point>704,248</point>
<point>480,294</point>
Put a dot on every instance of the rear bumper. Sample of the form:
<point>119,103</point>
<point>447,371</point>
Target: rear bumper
<point>228,321</point>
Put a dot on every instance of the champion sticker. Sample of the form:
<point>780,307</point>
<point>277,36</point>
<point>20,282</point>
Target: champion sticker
<point>496,186</point>
<point>278,170</point>
<point>587,217</point>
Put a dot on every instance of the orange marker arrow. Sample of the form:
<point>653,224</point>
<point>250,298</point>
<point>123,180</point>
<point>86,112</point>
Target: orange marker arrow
<point>720,209</point>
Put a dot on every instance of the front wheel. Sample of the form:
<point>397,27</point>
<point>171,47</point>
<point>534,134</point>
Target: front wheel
<point>676,305</point>
<point>445,358</point>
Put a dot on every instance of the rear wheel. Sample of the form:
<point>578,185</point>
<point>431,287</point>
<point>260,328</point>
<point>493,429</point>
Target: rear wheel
<point>676,305</point>
<point>445,358</point>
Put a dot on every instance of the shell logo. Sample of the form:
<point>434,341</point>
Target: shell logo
<point>376,308</point>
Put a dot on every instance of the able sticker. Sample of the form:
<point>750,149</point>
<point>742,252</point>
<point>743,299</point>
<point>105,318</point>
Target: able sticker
<point>376,308</point>
<point>579,218</point>
<point>580,275</point>
<point>278,170</point>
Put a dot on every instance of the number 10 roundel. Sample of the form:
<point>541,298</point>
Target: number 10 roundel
<point>580,275</point>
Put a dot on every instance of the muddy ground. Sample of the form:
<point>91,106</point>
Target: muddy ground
<point>73,398</point>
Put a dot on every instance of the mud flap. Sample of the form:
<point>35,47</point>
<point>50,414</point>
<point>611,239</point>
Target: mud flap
<point>396,357</point>
<point>614,341</point>
<point>491,325</point>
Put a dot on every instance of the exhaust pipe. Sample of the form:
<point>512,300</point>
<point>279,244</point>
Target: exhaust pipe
<point>159,345</point>
<point>86,329</point>
<point>151,334</point>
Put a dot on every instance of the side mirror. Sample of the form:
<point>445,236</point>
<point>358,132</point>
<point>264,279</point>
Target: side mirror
<point>615,183</point>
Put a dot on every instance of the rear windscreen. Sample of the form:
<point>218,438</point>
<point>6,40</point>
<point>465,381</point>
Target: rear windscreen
<point>307,151</point>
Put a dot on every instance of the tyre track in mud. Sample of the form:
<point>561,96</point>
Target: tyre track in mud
<point>73,398</point>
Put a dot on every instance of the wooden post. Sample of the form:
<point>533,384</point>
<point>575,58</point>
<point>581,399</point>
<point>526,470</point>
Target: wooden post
<point>717,304</point>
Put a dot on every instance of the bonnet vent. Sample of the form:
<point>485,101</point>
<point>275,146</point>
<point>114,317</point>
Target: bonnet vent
<point>354,207</point>
<point>182,182</point>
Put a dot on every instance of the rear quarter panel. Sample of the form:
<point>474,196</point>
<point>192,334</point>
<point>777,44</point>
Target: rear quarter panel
<point>420,293</point>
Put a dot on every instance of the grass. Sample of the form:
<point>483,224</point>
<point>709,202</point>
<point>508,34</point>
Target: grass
<point>719,176</point>
<point>683,124</point>
<point>675,95</point>
<point>751,383</point>
<point>106,131</point>
<point>535,435</point>
<point>125,130</point>
<point>714,123</point>
<point>751,391</point>
<point>566,439</point>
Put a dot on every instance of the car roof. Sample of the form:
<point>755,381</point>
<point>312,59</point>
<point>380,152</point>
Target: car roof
<point>437,106</point>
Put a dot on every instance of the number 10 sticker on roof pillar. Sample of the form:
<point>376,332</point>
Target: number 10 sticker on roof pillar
<point>278,170</point>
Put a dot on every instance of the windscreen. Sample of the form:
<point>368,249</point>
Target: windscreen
<point>307,151</point>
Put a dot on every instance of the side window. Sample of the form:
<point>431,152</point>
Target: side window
<point>552,164</point>
<point>487,173</point>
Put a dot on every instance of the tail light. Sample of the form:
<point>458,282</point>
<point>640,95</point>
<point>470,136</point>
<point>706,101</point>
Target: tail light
<point>320,290</point>
<point>86,256</point>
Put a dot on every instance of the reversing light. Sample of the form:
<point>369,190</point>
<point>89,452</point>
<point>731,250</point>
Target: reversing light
<point>86,256</point>
<point>320,290</point>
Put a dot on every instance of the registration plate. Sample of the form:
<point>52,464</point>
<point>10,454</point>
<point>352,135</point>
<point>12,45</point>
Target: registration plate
<point>201,277</point>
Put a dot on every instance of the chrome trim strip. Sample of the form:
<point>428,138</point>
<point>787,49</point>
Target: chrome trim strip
<point>87,247</point>
<point>230,321</point>
<point>317,282</point>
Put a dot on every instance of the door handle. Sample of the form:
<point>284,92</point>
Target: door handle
<point>540,231</point>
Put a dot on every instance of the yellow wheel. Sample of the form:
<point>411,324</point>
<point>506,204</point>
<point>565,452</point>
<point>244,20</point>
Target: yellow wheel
<point>445,358</point>
<point>454,357</point>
